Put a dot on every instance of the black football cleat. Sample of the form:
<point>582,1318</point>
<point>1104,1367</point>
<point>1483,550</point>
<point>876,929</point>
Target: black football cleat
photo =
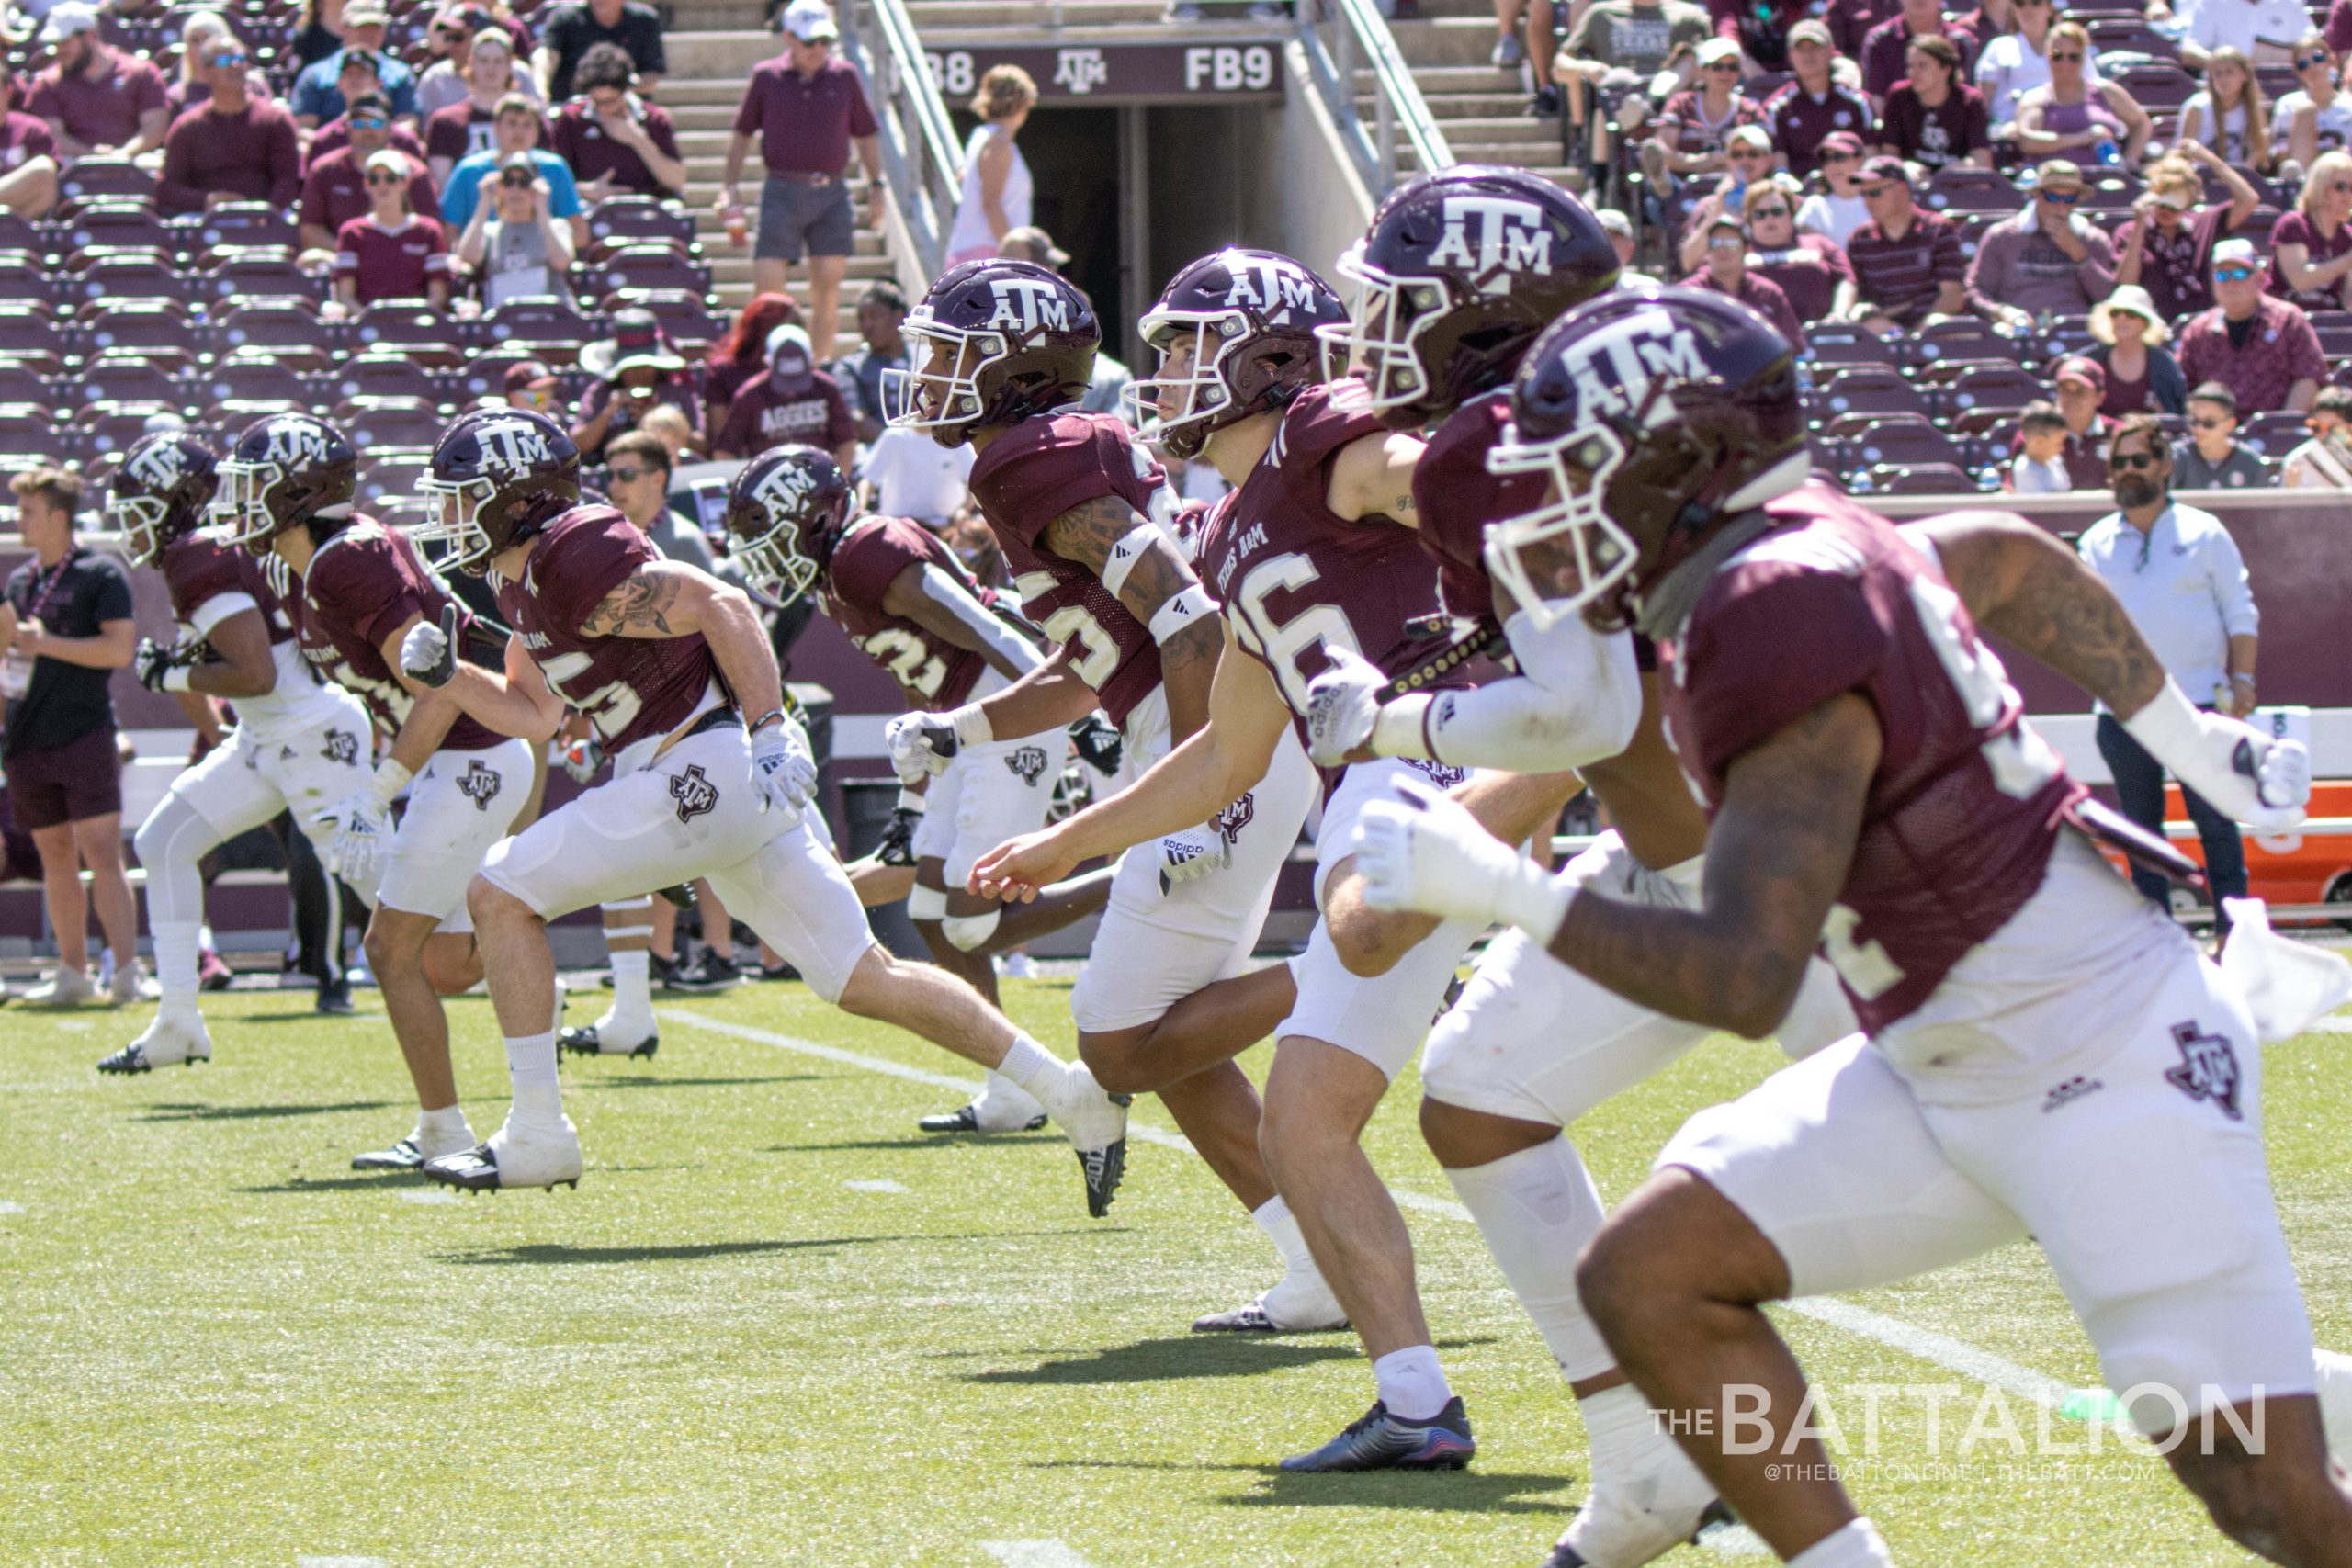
<point>1106,1167</point>
<point>1377,1441</point>
<point>587,1041</point>
<point>402,1156</point>
<point>966,1118</point>
<point>335,1001</point>
<point>545,1158</point>
<point>129,1059</point>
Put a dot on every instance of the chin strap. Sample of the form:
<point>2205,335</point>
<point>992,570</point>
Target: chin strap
<point>1665,609</point>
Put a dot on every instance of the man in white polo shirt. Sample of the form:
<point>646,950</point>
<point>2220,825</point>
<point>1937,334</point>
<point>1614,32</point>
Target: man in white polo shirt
<point>2264,30</point>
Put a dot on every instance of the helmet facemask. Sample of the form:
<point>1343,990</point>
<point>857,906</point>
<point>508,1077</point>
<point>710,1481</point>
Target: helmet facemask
<point>1207,390</point>
<point>139,520</point>
<point>943,401</point>
<point>1523,552</point>
<point>775,564</point>
<point>241,508</point>
<point>1386,317</point>
<point>451,509</point>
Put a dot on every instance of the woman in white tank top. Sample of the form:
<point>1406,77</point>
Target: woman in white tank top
<point>997,189</point>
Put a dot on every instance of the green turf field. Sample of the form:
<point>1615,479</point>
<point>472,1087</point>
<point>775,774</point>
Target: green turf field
<point>775,1324</point>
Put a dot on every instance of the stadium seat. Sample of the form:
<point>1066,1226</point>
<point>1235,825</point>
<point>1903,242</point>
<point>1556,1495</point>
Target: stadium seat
<point>97,179</point>
<point>116,226</point>
<point>2114,36</point>
<point>619,220</point>
<point>391,486</point>
<point>380,425</point>
<point>122,377</point>
<point>1908,440</point>
<point>384,373</point>
<point>641,269</point>
<point>2273,432</point>
<point>1963,337</point>
<point>1957,188</point>
<point>241,225</point>
<point>1917,479</point>
<point>1870,389</point>
<point>114,429</point>
<point>228,418</point>
<point>248,274</point>
<point>255,378</point>
<point>29,337</point>
<point>553,331</point>
<point>2155,86</point>
<point>288,328</point>
<point>484,376</point>
<point>111,279</point>
<point>29,436</point>
<point>2003,387</point>
<point>686,317</point>
<point>1865,348</point>
<point>155,331</point>
<point>21,386</point>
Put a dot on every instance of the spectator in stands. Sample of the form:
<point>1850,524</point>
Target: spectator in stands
<point>2078,117</point>
<point>96,100</point>
<point>335,135</point>
<point>1761,28</point>
<point>2263,349</point>
<point>2311,248</point>
<point>1886,50</point>
<point>513,244</point>
<point>516,129</point>
<point>322,90</point>
<point>997,190</point>
<point>66,626</point>
<point>2263,30</point>
<point>672,428</point>
<point>1807,113</point>
<point>2324,462</point>
<point>2316,118</point>
<point>806,110</point>
<point>230,148</point>
<point>741,352</point>
<point>468,126</point>
<point>1907,262</point>
<point>2039,466</point>
<point>1691,135</point>
<point>28,156</point>
<point>616,142</point>
<point>880,312</point>
<point>1749,154</point>
<point>2079,386</point>
<point>530,384</point>
<point>1849,22</point>
<point>393,253</point>
<point>571,30</point>
<point>636,369</point>
<point>1837,210</point>
<point>2230,115</point>
<point>1809,268</point>
<point>917,478</point>
<point>336,190</point>
<point>1934,117</point>
<point>2183,583</point>
<point>2141,375</point>
<point>2045,258</point>
<point>790,401</point>
<point>2212,458</point>
<point>1726,272</point>
<point>1620,230</point>
<point>198,33</point>
<point>2017,62</point>
<point>320,33</point>
<point>1106,393</point>
<point>2167,247</point>
<point>450,78</point>
<point>637,473</point>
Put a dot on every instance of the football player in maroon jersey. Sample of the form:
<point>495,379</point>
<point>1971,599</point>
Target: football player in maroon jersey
<point>299,745</point>
<point>2045,1054</point>
<point>710,778</point>
<point>354,589</point>
<point>906,600</point>
<point>1000,350</point>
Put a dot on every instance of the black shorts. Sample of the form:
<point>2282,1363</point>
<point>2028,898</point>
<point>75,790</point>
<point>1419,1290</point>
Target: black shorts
<point>75,782</point>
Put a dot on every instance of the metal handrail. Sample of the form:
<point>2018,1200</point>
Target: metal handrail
<point>920,157</point>
<point>1360,37</point>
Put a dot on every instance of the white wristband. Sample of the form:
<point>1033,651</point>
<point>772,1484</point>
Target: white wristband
<point>2167,726</point>
<point>909,801</point>
<point>1131,548</point>
<point>390,780</point>
<point>972,725</point>
<point>1170,619</point>
<point>1402,728</point>
<point>176,678</point>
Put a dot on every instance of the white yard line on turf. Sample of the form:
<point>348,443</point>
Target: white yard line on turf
<point>1034,1554</point>
<point>2333,1026</point>
<point>340,1563</point>
<point>1955,1355</point>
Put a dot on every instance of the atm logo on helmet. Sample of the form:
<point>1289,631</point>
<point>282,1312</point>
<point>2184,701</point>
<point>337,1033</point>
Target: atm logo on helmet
<point>514,443</point>
<point>1273,288</point>
<point>1494,238</point>
<point>296,443</point>
<point>1612,368</point>
<point>1026,305</point>
<point>160,466</point>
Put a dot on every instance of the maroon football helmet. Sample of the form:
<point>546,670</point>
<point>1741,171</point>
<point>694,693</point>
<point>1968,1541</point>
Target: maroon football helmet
<point>785,514</point>
<point>1459,271</point>
<point>1656,415</point>
<point>498,476</point>
<point>285,469</point>
<point>162,490</point>
<point>1258,313</point>
<point>992,344</point>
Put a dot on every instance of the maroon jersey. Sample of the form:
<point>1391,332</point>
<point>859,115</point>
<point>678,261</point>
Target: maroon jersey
<point>1967,800</point>
<point>1295,577</point>
<point>200,567</point>
<point>933,671</point>
<point>1456,498</point>
<point>366,581</point>
<point>1031,475</point>
<point>629,687</point>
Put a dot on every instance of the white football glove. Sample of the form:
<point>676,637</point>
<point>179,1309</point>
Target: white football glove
<point>1192,855</point>
<point>361,827</point>
<point>1342,706</point>
<point>1425,852</point>
<point>921,745</point>
<point>429,653</point>
<point>2257,779</point>
<point>784,767</point>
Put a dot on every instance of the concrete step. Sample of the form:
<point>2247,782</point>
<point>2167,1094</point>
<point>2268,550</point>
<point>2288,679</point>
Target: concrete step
<point>1449,41</point>
<point>1028,14</point>
<point>678,94</point>
<point>1544,156</point>
<point>684,117</point>
<point>1481,128</point>
<point>1435,80</point>
<point>717,56</point>
<point>1453,106</point>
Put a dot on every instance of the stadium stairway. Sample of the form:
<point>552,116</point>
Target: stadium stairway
<point>1480,110</point>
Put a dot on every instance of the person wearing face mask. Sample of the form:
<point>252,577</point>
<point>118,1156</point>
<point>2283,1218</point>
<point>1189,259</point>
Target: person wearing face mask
<point>791,400</point>
<point>2167,247</point>
<point>2315,117</point>
<point>2263,349</point>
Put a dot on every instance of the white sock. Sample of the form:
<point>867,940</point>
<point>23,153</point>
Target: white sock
<point>530,1060</point>
<point>2335,1403</point>
<point>1855,1546</point>
<point>448,1119</point>
<point>175,945</point>
<point>1034,1068</point>
<point>1537,1209</point>
<point>1274,1217</point>
<point>1001,1088</point>
<point>1412,1384</point>
<point>632,987</point>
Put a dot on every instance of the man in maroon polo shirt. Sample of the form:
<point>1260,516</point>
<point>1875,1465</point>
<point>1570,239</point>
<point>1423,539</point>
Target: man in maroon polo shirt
<point>1815,104</point>
<point>806,108</point>
<point>614,141</point>
<point>232,147</point>
<point>1908,262</point>
<point>2264,350</point>
<point>28,156</point>
<point>336,190</point>
<point>790,401</point>
<point>97,99</point>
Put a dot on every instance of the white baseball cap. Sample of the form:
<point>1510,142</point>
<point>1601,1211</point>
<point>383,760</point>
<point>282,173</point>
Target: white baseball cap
<point>67,19</point>
<point>810,20</point>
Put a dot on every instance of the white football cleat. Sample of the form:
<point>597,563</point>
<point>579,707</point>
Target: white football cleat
<point>169,1039</point>
<point>63,988</point>
<point>1273,1312</point>
<point>1003,1107</point>
<point>1095,1123</point>
<point>610,1036</point>
<point>535,1156</point>
<point>419,1147</point>
<point>1625,1523</point>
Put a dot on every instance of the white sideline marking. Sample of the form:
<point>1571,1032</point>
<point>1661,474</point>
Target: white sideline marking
<point>878,1184</point>
<point>72,1025</point>
<point>1034,1554</point>
<point>8,1208</point>
<point>342,1563</point>
<point>1955,1354</point>
<point>411,1195</point>
<point>2333,1026</point>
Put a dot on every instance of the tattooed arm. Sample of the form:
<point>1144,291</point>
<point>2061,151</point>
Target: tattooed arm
<point>670,599</point>
<point>1141,566</point>
<point>1778,853</point>
<point>2026,586</point>
<point>1371,476</point>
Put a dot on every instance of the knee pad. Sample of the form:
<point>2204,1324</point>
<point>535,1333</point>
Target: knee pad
<point>927,904</point>
<point>966,933</point>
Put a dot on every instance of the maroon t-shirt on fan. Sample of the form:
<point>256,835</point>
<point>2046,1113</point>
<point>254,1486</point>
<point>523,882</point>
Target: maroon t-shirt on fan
<point>335,191</point>
<point>103,112</point>
<point>804,124</point>
<point>932,671</point>
<point>362,585</point>
<point>391,264</point>
<point>1961,815</point>
<point>23,136</point>
<point>1808,273</point>
<point>630,688</point>
<point>1365,580</point>
<point>762,416</point>
<point>2297,229</point>
<point>580,140</point>
<point>456,131</point>
<point>1031,475</point>
<point>2176,268</point>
